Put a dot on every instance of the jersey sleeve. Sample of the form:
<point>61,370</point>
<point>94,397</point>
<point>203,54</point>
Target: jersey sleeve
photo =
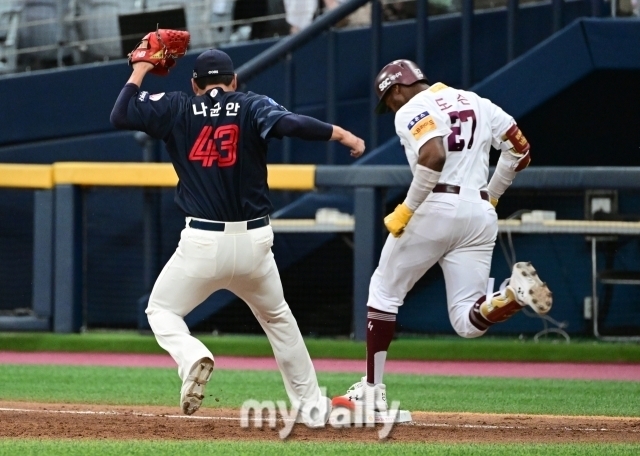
<point>500,123</point>
<point>155,114</point>
<point>265,113</point>
<point>418,123</point>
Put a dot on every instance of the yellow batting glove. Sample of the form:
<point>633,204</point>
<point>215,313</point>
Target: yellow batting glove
<point>398,219</point>
<point>494,201</point>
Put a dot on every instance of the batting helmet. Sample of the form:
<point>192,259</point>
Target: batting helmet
<point>403,72</point>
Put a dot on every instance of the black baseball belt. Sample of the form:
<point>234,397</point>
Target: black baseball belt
<point>219,226</point>
<point>446,188</point>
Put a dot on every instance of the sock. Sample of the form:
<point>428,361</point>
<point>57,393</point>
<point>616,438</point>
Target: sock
<point>501,307</point>
<point>475,316</point>
<point>381,326</point>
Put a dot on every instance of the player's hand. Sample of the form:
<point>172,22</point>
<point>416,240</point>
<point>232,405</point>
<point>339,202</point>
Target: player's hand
<point>354,143</point>
<point>349,140</point>
<point>142,66</point>
<point>398,219</point>
<point>356,146</point>
<point>493,201</point>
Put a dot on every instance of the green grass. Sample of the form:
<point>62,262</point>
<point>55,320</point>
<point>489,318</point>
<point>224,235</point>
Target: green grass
<point>293,448</point>
<point>413,348</point>
<point>113,385</point>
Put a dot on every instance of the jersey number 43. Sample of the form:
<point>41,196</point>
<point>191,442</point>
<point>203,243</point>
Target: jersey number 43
<point>205,150</point>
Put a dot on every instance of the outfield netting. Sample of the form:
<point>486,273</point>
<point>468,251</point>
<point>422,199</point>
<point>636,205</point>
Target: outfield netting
<point>16,251</point>
<point>319,285</point>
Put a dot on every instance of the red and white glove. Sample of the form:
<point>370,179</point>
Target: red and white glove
<point>161,48</point>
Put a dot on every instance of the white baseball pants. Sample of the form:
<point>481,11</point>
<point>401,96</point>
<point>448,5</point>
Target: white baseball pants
<point>241,261</point>
<point>458,232</point>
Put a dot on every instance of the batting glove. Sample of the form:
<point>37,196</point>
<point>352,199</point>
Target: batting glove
<point>398,219</point>
<point>494,201</point>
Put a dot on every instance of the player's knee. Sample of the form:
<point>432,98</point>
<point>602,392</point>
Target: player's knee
<point>383,304</point>
<point>469,333</point>
<point>151,308</point>
<point>463,327</point>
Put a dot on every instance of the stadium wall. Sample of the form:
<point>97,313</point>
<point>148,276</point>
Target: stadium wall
<point>114,283</point>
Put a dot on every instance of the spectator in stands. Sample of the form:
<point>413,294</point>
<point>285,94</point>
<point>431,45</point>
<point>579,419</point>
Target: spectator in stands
<point>255,11</point>
<point>361,17</point>
<point>300,13</point>
<point>392,10</point>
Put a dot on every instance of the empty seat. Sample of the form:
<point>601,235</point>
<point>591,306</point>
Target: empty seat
<point>208,21</point>
<point>98,26</point>
<point>221,22</point>
<point>9,22</point>
<point>41,28</point>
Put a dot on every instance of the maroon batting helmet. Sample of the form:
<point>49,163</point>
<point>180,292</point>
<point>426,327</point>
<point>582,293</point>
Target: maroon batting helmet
<point>403,72</point>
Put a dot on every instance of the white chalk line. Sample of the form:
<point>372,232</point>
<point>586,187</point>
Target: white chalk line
<point>258,420</point>
<point>488,426</point>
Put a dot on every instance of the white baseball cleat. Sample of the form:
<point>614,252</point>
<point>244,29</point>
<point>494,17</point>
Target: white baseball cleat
<point>361,392</point>
<point>192,392</point>
<point>528,290</point>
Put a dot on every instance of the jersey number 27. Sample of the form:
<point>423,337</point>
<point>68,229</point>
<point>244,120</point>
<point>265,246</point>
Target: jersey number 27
<point>456,142</point>
<point>205,146</point>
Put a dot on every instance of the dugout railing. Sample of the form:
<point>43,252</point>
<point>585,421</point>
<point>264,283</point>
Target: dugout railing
<point>58,246</point>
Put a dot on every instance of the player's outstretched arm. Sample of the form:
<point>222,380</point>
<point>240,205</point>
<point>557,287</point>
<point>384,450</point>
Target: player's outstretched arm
<point>311,129</point>
<point>348,139</point>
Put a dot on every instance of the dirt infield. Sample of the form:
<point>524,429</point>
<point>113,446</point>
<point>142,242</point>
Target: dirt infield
<point>37,420</point>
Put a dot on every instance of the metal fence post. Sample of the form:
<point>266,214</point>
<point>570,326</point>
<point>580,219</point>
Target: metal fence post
<point>467,19</point>
<point>512,28</point>
<point>331,90</point>
<point>42,297</point>
<point>376,45</point>
<point>556,6</point>
<point>422,31</point>
<point>288,103</point>
<point>596,8</point>
<point>366,240</point>
<point>68,271</point>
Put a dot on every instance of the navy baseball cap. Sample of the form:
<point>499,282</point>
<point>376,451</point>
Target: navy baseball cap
<point>212,63</point>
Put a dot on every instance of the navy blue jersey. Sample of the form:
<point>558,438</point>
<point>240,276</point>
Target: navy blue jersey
<point>218,146</point>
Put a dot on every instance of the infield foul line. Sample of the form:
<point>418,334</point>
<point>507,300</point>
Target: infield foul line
<point>228,418</point>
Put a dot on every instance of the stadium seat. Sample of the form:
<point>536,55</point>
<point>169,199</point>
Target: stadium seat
<point>98,24</point>
<point>9,21</point>
<point>202,17</point>
<point>221,22</point>
<point>40,26</point>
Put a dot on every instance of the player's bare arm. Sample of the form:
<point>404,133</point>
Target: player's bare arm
<point>312,129</point>
<point>348,139</point>
<point>140,70</point>
<point>432,154</point>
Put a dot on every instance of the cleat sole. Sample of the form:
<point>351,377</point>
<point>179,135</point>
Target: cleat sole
<point>193,396</point>
<point>539,297</point>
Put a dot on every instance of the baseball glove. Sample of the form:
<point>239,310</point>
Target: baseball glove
<point>161,48</point>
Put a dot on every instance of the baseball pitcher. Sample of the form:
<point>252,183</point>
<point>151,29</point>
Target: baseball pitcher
<point>447,217</point>
<point>217,141</point>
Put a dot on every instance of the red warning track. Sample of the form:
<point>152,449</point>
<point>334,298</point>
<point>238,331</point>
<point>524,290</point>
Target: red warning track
<point>587,371</point>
